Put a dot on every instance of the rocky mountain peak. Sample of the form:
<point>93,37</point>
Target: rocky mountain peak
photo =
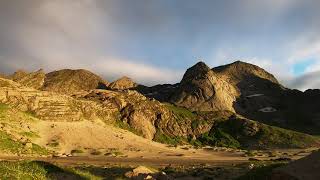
<point>200,89</point>
<point>68,81</point>
<point>123,83</point>
<point>198,70</point>
<point>240,70</point>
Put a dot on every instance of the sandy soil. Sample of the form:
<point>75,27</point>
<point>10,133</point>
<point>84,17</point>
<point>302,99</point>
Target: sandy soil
<point>96,136</point>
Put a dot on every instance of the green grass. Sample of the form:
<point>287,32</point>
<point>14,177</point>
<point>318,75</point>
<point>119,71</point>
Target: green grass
<point>126,126</point>
<point>264,136</point>
<point>180,112</point>
<point>246,134</point>
<point>30,134</point>
<point>53,144</point>
<point>8,145</point>
<point>76,151</point>
<point>277,137</point>
<point>39,170</point>
<point>165,139</point>
<point>217,137</point>
<point>3,110</point>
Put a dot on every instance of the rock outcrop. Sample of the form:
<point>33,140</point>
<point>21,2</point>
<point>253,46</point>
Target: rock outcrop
<point>69,81</point>
<point>123,83</point>
<point>51,106</point>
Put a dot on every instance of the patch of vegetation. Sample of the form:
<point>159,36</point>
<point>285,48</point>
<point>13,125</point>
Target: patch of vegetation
<point>30,134</point>
<point>40,170</point>
<point>76,151</point>
<point>180,112</point>
<point>8,145</point>
<point>126,126</point>
<point>54,143</point>
<point>165,139</point>
<point>36,149</point>
<point>3,107</point>
<point>195,124</point>
<point>271,136</point>
<point>30,114</point>
<point>242,133</point>
<point>217,137</point>
<point>261,172</point>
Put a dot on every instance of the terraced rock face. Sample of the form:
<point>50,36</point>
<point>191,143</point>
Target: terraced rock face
<point>123,83</point>
<point>130,107</point>
<point>72,81</point>
<point>200,89</point>
<point>49,105</point>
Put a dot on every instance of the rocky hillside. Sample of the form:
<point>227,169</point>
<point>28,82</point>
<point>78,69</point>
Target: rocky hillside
<point>34,79</point>
<point>64,81</point>
<point>123,83</point>
<point>244,89</point>
<point>72,81</point>
<point>149,118</point>
<point>237,105</point>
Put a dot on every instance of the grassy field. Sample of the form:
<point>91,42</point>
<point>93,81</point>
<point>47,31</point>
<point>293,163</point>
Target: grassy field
<point>40,170</point>
<point>10,120</point>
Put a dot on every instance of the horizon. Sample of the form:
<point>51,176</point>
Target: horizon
<point>155,42</point>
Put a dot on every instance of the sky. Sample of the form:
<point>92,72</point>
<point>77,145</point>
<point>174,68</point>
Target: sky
<point>155,41</point>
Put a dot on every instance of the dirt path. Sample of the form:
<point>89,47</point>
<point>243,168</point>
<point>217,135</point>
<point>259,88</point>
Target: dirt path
<point>101,161</point>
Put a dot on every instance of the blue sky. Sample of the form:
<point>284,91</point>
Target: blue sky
<point>155,41</point>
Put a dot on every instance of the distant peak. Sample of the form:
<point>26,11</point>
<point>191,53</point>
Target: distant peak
<point>124,78</point>
<point>199,66</point>
<point>123,83</point>
<point>197,70</point>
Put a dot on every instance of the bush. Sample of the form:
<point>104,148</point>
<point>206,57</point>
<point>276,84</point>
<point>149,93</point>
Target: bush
<point>218,137</point>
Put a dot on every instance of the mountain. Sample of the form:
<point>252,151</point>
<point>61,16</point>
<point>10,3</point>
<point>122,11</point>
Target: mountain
<point>69,81</point>
<point>200,89</point>
<point>123,83</point>
<point>65,81</point>
<point>245,89</point>
<point>162,122</point>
